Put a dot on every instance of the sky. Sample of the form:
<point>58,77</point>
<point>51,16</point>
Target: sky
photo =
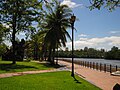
<point>95,29</point>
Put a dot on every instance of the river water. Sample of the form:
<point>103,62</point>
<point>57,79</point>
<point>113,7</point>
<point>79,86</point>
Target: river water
<point>103,61</point>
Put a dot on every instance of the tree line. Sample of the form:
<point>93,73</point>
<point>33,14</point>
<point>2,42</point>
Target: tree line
<point>113,54</point>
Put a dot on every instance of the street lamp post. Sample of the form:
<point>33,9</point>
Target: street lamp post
<point>72,21</point>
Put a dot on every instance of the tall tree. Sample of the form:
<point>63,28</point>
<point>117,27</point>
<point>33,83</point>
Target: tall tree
<point>19,15</point>
<point>57,21</point>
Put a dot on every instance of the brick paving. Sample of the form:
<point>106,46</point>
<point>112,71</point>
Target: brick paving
<point>101,79</point>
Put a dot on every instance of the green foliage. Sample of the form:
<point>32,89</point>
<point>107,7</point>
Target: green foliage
<point>19,16</point>
<point>56,22</point>
<point>3,32</point>
<point>27,60</point>
<point>36,43</point>
<point>110,4</point>
<point>29,49</point>
<point>114,53</point>
<point>83,53</point>
<point>46,81</point>
<point>34,47</point>
<point>2,49</point>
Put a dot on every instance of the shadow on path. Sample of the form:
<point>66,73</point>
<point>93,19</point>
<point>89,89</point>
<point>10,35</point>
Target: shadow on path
<point>52,65</point>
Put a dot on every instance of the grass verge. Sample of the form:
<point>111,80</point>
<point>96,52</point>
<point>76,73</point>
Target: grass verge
<point>46,81</point>
<point>7,67</point>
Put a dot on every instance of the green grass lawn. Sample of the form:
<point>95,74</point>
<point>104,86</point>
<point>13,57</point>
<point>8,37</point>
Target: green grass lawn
<point>46,81</point>
<point>6,66</point>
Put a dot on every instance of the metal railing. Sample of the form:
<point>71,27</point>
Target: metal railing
<point>96,66</point>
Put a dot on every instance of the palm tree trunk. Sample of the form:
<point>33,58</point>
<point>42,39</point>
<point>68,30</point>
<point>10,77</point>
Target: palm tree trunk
<point>45,56</point>
<point>57,56</point>
<point>53,56</point>
<point>49,55</point>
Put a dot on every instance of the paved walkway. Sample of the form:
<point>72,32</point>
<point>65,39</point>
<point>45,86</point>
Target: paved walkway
<point>4,75</point>
<point>101,79</point>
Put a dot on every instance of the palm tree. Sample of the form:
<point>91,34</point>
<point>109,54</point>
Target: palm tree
<point>37,42</point>
<point>57,21</point>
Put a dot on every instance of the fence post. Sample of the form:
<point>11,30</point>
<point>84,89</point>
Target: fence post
<point>88,64</point>
<point>93,65</point>
<point>85,63</point>
<point>110,68</point>
<point>100,66</point>
<point>96,66</point>
<point>105,67</point>
<point>116,67</point>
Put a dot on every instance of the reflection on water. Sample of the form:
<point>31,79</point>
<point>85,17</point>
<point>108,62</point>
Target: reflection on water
<point>103,61</point>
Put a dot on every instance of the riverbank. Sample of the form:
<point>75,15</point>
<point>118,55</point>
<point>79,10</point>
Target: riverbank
<point>95,65</point>
<point>103,80</point>
<point>97,60</point>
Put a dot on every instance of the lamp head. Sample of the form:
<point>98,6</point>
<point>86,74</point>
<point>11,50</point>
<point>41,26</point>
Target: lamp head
<point>73,18</point>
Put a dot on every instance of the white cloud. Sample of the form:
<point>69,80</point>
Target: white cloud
<point>105,42</point>
<point>114,32</point>
<point>83,39</point>
<point>71,4</point>
<point>82,35</point>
